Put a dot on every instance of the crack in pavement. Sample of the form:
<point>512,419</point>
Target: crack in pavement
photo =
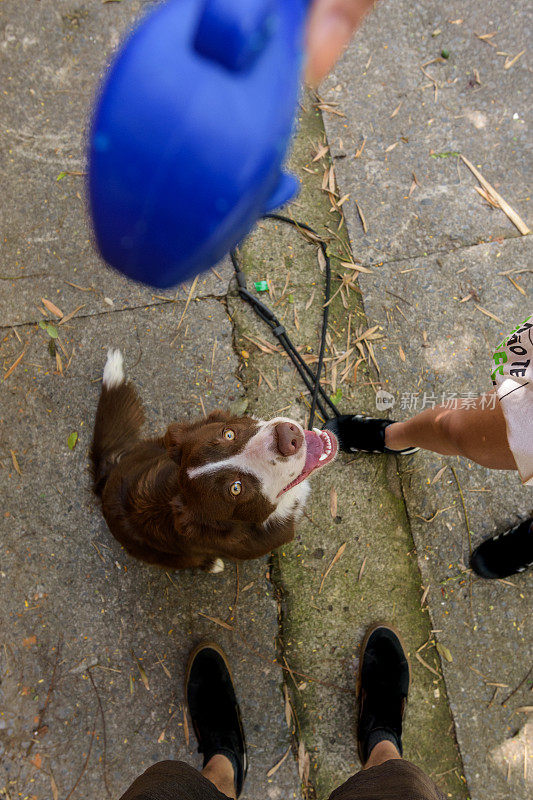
<point>89,315</point>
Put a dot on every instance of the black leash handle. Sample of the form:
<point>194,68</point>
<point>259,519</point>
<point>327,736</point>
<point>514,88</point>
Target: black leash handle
<point>320,399</point>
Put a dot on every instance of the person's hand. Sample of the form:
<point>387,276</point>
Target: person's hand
<point>330,28</point>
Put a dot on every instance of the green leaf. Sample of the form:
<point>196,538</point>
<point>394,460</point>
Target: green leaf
<point>61,176</point>
<point>291,298</point>
<point>445,53</point>
<point>446,154</point>
<point>72,439</point>
<point>50,329</point>
<point>337,397</point>
<point>444,652</point>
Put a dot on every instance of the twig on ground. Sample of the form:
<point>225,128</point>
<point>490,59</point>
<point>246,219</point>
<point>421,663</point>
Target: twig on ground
<point>104,733</point>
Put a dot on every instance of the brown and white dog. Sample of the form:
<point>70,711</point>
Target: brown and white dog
<point>221,487</point>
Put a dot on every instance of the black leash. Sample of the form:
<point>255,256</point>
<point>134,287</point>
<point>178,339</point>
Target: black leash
<point>320,398</point>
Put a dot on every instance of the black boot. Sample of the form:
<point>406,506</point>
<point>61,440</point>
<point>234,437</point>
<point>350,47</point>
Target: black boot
<point>214,709</point>
<point>383,688</point>
<point>506,553</point>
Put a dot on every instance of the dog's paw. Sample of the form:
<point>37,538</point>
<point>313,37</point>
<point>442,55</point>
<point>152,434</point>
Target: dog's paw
<point>217,565</point>
<point>113,371</point>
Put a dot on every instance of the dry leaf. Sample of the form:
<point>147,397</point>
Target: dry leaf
<point>438,474</point>
<point>360,150</point>
<point>517,221</point>
<point>68,317</point>
<point>517,286</point>
<point>321,153</point>
<point>15,462</point>
<point>165,669</point>
<point>186,727</point>
<point>330,110</point>
<point>189,298</point>
<point>217,621</point>
<point>424,595</point>
<point>486,36</point>
<point>14,365</point>
<point>144,676</point>
<point>489,314</point>
<point>53,785</point>
<point>402,354</point>
<point>336,557</point>
<point>303,763</point>
<point>161,737</point>
<point>52,307</point>
<point>361,216</point>
<point>358,267</point>
<point>31,640</point>
<point>37,760</point>
<point>362,569</point>
<point>444,652</point>
<point>509,62</point>
<point>275,768</point>
<point>396,109</point>
<point>310,301</point>
<point>391,147</point>
<point>288,709</point>
<point>333,502</point>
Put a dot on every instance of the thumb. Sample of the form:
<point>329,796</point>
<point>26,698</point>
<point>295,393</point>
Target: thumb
<point>330,28</point>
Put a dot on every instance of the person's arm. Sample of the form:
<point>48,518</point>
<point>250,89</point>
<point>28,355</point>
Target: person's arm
<point>331,26</point>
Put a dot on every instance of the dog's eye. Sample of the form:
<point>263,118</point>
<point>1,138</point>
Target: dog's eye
<point>229,435</point>
<point>235,488</point>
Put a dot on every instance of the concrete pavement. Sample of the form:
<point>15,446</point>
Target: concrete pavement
<point>114,703</point>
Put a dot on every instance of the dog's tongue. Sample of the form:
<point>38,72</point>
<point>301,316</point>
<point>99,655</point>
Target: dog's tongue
<point>315,448</point>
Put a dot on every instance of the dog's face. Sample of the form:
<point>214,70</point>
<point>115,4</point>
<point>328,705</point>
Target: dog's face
<point>241,468</point>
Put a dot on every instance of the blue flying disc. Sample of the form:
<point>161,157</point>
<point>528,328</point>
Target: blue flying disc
<point>190,133</point>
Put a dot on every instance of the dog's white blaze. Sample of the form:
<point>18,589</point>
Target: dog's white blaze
<point>260,458</point>
<point>113,371</point>
<point>216,566</point>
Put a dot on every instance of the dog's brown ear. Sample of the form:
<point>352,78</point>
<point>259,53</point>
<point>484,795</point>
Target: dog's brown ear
<point>173,439</point>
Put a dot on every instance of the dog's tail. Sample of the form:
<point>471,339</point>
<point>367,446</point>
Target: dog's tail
<point>119,418</point>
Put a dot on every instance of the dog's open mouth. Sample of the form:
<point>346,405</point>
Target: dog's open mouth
<point>321,449</point>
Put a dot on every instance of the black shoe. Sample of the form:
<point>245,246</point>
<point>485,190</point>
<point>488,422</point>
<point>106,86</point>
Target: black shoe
<point>214,709</point>
<point>506,553</point>
<point>363,434</point>
<point>383,685</point>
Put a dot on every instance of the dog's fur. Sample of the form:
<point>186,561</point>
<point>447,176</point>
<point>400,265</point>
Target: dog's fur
<point>169,500</point>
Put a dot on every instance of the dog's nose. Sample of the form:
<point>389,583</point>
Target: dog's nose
<point>288,438</point>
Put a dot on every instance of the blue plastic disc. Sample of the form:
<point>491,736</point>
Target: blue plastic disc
<point>190,132</point>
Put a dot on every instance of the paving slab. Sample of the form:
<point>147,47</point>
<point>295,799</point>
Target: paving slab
<point>412,111</point>
<point>52,62</point>
<point>73,601</point>
<point>450,278</point>
<point>486,625</point>
<point>356,511</point>
<point>69,592</point>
